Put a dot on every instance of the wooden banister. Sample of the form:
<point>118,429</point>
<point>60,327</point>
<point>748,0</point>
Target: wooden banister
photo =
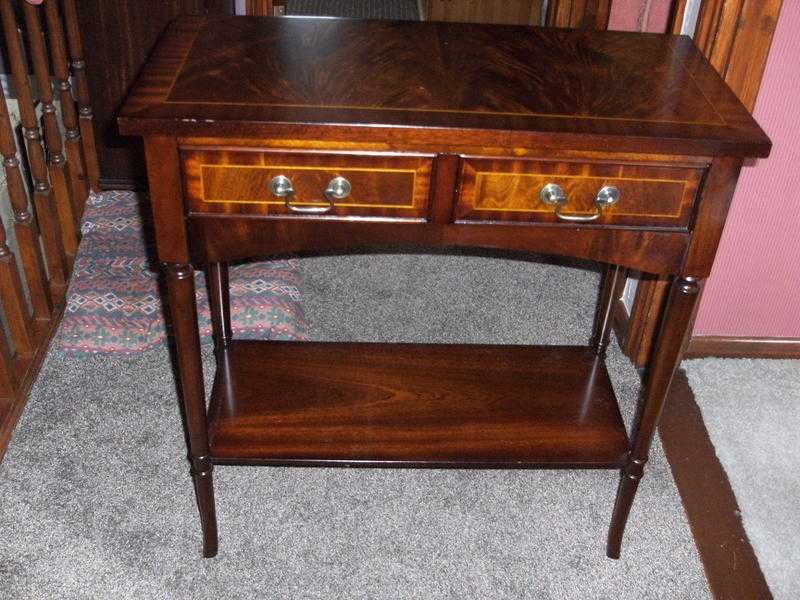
<point>25,226</point>
<point>36,261</point>
<point>43,197</point>
<point>57,162</point>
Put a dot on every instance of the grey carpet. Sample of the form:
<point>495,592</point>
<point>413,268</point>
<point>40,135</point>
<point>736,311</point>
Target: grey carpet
<point>752,411</point>
<point>406,10</point>
<point>96,502</point>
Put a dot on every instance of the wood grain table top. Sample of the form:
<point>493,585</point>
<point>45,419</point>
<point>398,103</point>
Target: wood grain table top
<point>606,91</point>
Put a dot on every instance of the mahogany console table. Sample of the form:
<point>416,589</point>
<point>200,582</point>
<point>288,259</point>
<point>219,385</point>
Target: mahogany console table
<point>267,136</point>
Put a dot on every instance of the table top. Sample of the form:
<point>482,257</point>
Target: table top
<point>608,90</point>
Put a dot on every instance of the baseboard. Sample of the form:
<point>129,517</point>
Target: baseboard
<point>122,183</point>
<point>742,347</point>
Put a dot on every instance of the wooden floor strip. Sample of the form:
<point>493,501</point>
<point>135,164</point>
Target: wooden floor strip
<point>729,560</point>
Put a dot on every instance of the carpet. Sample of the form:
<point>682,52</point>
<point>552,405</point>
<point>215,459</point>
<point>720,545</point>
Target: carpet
<point>751,409</point>
<point>96,501</point>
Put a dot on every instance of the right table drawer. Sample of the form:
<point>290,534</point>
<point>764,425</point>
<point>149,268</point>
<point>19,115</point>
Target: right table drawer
<point>573,192</point>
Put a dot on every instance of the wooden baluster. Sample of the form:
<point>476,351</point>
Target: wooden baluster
<point>19,320</point>
<point>57,163</point>
<point>25,228</point>
<point>82,87</point>
<point>72,132</point>
<point>42,190</point>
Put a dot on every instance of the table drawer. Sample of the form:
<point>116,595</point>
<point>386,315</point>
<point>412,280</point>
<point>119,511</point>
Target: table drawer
<point>241,182</point>
<point>511,190</point>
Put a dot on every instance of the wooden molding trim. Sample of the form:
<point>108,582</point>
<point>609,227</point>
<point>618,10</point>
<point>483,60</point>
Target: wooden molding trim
<point>123,183</point>
<point>742,347</point>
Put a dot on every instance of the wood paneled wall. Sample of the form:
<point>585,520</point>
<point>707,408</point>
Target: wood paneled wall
<point>118,37</point>
<point>588,14</point>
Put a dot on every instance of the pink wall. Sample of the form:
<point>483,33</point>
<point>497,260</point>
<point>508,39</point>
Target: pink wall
<point>639,15</point>
<point>754,288</point>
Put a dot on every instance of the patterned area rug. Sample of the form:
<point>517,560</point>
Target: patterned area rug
<point>114,305</point>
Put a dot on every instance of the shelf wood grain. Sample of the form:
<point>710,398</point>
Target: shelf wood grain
<point>363,404</point>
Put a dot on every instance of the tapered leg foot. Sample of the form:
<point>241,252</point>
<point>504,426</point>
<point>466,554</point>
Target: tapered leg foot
<point>628,484</point>
<point>204,492</point>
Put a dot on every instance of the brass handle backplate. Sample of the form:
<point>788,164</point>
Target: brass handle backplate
<point>338,188</point>
<point>552,193</point>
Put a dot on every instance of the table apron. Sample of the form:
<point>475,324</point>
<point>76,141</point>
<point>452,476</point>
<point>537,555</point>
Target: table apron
<point>222,239</point>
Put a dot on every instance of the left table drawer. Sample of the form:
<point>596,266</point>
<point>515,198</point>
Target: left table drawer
<point>314,184</point>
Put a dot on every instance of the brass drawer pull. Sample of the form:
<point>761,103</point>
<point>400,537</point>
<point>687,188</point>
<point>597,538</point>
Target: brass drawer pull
<point>338,188</point>
<point>553,193</point>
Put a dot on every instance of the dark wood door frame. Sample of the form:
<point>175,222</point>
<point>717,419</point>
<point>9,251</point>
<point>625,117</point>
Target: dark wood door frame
<point>581,14</point>
<point>736,36</point>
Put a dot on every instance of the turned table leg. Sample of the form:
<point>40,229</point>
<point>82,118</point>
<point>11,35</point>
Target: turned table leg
<point>610,290</point>
<point>675,323</point>
<point>220,301</point>
<point>183,310</point>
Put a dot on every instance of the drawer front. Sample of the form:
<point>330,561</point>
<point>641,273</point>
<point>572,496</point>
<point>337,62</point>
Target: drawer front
<point>510,190</point>
<point>240,182</point>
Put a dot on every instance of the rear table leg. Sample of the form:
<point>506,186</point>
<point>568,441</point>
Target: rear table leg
<point>610,291</point>
<point>220,302</point>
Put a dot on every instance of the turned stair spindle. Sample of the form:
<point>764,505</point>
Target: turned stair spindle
<point>75,44</point>
<point>57,161</point>
<point>72,132</point>
<point>13,300</point>
<point>26,229</point>
<point>43,196</point>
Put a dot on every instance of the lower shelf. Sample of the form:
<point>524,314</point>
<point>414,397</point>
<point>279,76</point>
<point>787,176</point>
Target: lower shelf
<point>359,404</point>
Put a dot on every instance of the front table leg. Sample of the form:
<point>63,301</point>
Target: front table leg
<point>183,310</point>
<point>675,323</point>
